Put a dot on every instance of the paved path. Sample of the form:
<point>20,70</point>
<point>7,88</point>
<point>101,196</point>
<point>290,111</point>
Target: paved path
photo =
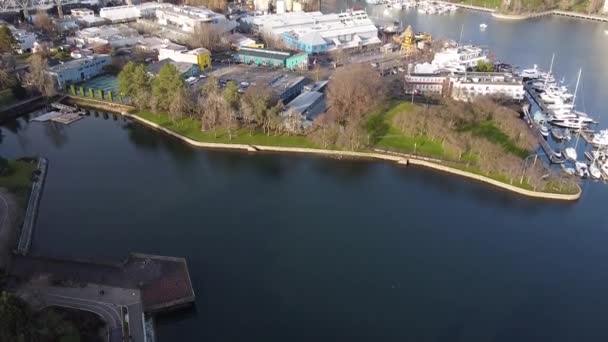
<point>108,305</point>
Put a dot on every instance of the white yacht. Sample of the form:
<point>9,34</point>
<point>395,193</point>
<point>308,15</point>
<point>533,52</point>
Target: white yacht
<point>582,169</point>
<point>600,138</point>
<point>483,26</point>
<point>576,123</point>
<point>530,73</point>
<point>594,171</point>
<point>570,153</point>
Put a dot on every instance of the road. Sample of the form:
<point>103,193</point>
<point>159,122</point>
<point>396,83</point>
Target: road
<point>107,304</point>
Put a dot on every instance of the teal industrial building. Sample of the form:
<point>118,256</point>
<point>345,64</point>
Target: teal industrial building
<point>272,58</point>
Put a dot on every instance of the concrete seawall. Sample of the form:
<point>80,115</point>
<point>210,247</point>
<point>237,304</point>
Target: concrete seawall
<point>31,212</point>
<point>399,159</point>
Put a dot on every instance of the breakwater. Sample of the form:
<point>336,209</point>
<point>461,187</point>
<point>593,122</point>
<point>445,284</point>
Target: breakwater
<point>29,221</point>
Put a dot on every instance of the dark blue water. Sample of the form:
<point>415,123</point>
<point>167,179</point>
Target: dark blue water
<point>300,248</point>
<point>304,248</point>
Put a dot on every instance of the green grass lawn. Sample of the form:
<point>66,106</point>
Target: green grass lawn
<point>192,129</point>
<point>18,178</point>
<point>395,140</point>
<point>489,131</point>
<point>482,3</point>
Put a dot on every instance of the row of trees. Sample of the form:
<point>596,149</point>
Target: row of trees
<point>218,109</point>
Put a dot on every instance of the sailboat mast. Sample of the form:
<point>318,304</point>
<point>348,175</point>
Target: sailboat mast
<point>578,79</point>
<point>550,71</point>
<point>461,31</point>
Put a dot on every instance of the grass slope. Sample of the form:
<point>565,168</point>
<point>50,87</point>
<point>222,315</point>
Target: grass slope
<point>191,128</point>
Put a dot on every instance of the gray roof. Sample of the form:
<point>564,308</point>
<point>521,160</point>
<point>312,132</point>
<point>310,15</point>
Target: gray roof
<point>264,53</point>
<point>305,101</point>
<point>182,67</point>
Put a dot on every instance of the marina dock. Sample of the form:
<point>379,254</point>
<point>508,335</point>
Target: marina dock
<point>553,156</point>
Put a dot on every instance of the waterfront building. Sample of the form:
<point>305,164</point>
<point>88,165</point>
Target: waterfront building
<point>178,53</point>
<point>187,18</point>
<point>465,86</point>
<point>427,84</point>
<point>315,32</point>
<point>473,84</point>
<point>79,70</point>
<point>185,69</point>
<point>272,58</point>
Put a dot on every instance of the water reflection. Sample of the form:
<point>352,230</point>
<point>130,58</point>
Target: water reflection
<point>57,133</point>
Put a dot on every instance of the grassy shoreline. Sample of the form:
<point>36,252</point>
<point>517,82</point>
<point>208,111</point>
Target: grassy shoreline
<point>190,128</point>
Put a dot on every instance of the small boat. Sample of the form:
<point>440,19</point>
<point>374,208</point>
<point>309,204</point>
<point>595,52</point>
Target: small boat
<point>568,170</point>
<point>558,134</point>
<point>570,153</point>
<point>582,169</point>
<point>594,171</point>
<point>600,138</point>
<point>544,130</point>
<point>483,26</point>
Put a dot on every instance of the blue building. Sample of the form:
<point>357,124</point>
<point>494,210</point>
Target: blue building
<point>272,58</point>
<point>79,70</point>
<point>311,42</point>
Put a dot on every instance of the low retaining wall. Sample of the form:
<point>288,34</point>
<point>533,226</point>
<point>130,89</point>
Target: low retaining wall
<point>530,193</point>
<point>402,160</point>
<point>31,212</point>
<point>99,104</point>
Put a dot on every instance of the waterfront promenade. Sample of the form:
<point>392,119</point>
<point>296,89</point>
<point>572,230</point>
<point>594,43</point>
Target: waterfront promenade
<point>525,16</point>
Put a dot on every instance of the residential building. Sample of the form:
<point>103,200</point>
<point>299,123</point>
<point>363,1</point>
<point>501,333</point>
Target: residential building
<point>473,84</point>
<point>200,56</point>
<point>188,18</point>
<point>272,58</point>
<point>185,69</point>
<point>315,32</point>
<point>465,86</point>
<point>79,70</point>
<point>428,84</point>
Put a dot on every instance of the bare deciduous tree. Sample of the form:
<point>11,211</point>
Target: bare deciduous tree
<point>38,78</point>
<point>43,22</point>
<point>209,37</point>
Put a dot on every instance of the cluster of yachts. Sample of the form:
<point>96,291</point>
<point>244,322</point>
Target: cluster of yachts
<point>558,117</point>
<point>426,7</point>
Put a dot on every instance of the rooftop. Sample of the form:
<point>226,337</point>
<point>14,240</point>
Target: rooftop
<point>76,63</point>
<point>264,53</point>
<point>182,67</point>
<point>155,43</point>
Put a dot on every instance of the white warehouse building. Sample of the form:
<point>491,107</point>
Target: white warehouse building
<point>317,32</point>
<point>131,12</point>
<point>79,70</point>
<point>187,18</point>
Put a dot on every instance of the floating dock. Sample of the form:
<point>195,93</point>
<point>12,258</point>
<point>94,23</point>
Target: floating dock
<point>553,156</point>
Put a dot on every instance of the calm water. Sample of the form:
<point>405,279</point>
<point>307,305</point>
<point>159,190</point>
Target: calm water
<point>298,248</point>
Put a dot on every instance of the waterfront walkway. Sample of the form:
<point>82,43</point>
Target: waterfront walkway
<point>525,16</point>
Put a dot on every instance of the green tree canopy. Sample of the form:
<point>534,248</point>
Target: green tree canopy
<point>133,79</point>
<point>166,85</point>
<point>485,66</point>
<point>8,43</point>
